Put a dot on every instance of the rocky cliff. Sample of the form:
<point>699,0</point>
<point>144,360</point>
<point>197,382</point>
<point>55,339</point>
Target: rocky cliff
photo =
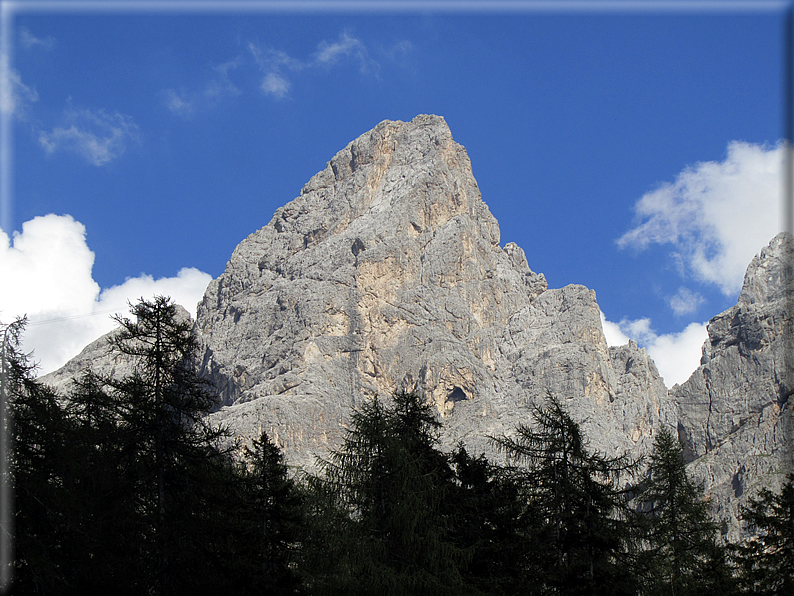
<point>735,412</point>
<point>387,273</point>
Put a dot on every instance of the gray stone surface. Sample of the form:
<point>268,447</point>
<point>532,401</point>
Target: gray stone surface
<point>98,357</point>
<point>387,273</point>
<point>734,411</point>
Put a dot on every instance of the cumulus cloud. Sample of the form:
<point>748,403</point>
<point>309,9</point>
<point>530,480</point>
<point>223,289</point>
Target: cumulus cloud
<point>97,136</point>
<point>613,333</point>
<point>676,355</point>
<point>46,272</point>
<point>28,40</point>
<point>716,215</point>
<point>15,96</point>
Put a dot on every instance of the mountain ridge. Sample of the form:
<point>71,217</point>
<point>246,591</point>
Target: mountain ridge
<point>386,273</point>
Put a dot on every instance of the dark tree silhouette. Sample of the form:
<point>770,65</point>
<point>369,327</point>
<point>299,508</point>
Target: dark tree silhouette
<point>766,562</point>
<point>386,502</point>
<point>576,518</point>
<point>679,539</point>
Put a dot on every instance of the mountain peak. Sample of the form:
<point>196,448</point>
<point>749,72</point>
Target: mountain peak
<point>769,275</point>
<point>386,273</point>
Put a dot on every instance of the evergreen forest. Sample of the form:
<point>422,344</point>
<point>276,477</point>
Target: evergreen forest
<point>121,486</point>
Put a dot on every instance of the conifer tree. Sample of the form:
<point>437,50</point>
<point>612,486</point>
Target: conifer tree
<point>386,496</point>
<point>272,519</point>
<point>680,551</point>
<point>40,527</point>
<point>161,409</point>
<point>488,521</point>
<point>576,513</point>
<point>766,561</point>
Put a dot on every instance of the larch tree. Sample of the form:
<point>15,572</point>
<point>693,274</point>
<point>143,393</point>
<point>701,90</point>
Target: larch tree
<point>766,561</point>
<point>576,510</point>
<point>680,554</point>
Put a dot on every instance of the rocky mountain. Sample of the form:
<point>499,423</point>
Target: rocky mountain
<point>387,273</point>
<point>735,412</point>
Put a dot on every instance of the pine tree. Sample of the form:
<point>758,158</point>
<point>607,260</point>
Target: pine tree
<point>766,562</point>
<point>386,497</point>
<point>576,513</point>
<point>273,517</point>
<point>104,487</point>
<point>177,467</point>
<point>488,522</point>
<point>40,527</point>
<point>680,551</point>
<point>122,487</point>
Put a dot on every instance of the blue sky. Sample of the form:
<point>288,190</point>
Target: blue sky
<point>633,151</point>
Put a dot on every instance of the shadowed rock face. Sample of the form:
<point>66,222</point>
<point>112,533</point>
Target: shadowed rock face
<point>387,273</point>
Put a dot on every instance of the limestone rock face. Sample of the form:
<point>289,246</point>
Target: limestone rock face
<point>734,411</point>
<point>386,273</point>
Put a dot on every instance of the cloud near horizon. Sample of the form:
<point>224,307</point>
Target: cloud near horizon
<point>676,355</point>
<point>716,216</point>
<point>47,273</point>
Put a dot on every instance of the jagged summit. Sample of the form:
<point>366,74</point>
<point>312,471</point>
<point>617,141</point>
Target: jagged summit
<point>386,273</point>
<point>769,275</point>
<point>396,216</point>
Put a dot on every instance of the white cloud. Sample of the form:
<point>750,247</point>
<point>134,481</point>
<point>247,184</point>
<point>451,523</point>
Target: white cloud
<point>276,85</point>
<point>217,88</point>
<point>716,215</point>
<point>96,135</point>
<point>178,103</point>
<point>15,96</point>
<point>28,40</point>
<point>399,49</point>
<point>274,62</point>
<point>676,355</point>
<point>347,46</point>
<point>685,301</point>
<point>329,53</point>
<point>46,274</point>
<point>612,333</point>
